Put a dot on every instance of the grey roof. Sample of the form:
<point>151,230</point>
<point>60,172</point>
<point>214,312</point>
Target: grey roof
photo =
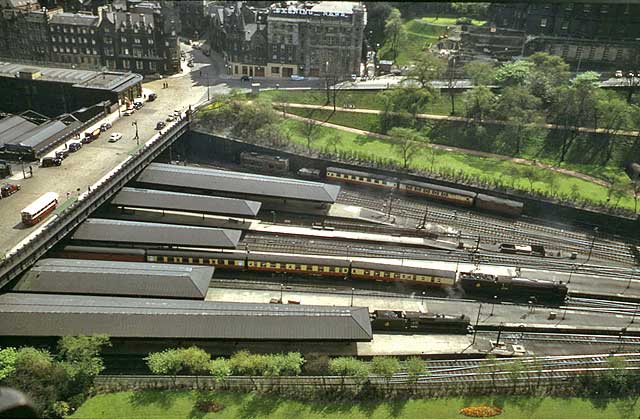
<point>66,315</point>
<point>40,134</point>
<point>14,126</point>
<point>99,277</point>
<point>237,182</point>
<point>149,198</point>
<point>78,19</point>
<point>167,234</point>
<point>99,80</point>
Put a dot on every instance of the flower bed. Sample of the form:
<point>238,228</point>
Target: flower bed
<point>481,411</point>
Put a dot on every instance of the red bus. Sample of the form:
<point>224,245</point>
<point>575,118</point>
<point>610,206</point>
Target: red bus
<point>40,208</point>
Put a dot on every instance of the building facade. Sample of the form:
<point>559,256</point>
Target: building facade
<point>311,39</point>
<point>139,37</point>
<point>592,34</point>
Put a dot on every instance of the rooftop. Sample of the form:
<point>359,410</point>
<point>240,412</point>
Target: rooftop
<point>97,229</point>
<point>98,277</point>
<point>97,80</point>
<point>65,315</point>
<point>77,19</point>
<point>149,198</point>
<point>237,182</point>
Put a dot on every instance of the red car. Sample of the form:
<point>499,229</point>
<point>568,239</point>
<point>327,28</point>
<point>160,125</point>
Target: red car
<point>9,189</point>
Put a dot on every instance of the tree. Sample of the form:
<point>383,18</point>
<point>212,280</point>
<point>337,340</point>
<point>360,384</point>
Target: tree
<point>531,174</point>
<point>333,141</point>
<point>385,366</point>
<point>427,68</point>
<point>516,370</point>
<point>478,102</point>
<point>548,73</point>
<point>406,143</point>
<point>480,72</point>
<point>349,367</point>
<point>401,106</point>
<point>394,32</point>
<point>195,361</point>
<point>8,358</point>
<point>81,358</point>
<point>519,108</point>
<point>271,134</point>
<point>415,367</point>
<point>477,10</point>
<point>611,114</point>
<point>220,369</point>
<point>167,362</point>
<point>514,73</point>
<point>310,131</point>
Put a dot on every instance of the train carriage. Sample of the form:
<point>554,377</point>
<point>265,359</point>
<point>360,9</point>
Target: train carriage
<point>437,192</point>
<point>512,288</point>
<point>499,205</point>
<point>394,273</point>
<point>361,178</point>
<point>298,264</point>
<point>224,260</point>
<point>101,253</point>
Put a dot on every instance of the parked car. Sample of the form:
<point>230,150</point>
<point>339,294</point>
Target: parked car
<point>91,135</point>
<point>128,112</point>
<point>9,189</point>
<point>74,146</point>
<point>116,136</point>
<point>105,126</point>
<point>190,64</point>
<point>62,154</point>
<point>170,118</point>
<point>295,77</point>
<point>160,125</point>
<point>138,103</point>
<point>152,96</point>
<point>51,161</point>
<point>246,78</point>
<point>618,73</point>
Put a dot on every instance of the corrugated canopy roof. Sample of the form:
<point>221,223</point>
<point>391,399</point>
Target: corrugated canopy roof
<point>98,277</point>
<point>237,182</point>
<point>150,198</point>
<point>64,315</point>
<point>97,229</point>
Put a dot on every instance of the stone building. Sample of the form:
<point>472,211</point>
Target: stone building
<point>310,39</point>
<point>75,40</point>
<point>24,35</point>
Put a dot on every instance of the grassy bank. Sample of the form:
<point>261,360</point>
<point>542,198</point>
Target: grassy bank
<point>180,405</point>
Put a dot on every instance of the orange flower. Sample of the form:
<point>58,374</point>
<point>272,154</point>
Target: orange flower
<point>481,411</point>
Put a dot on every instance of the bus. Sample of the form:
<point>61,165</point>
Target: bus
<point>40,208</point>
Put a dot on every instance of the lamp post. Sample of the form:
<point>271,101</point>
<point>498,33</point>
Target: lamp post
<point>281,292</point>
<point>493,305</point>
<point>352,291</point>
<point>593,241</point>
<point>475,329</point>
<point>273,217</point>
<point>136,137</point>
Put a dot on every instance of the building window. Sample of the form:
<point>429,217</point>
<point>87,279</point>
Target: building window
<point>64,29</point>
<point>565,25</point>
<point>93,42</point>
<point>152,66</point>
<point>107,40</point>
<point>166,43</point>
<point>75,50</point>
<point>126,51</point>
<point>139,65</point>
<point>55,48</point>
<point>244,70</point>
<point>150,41</point>
<point>275,70</point>
<point>569,7</point>
<point>126,63</point>
<point>73,40</point>
<point>543,23</point>
<point>604,8</point>
<point>586,8</point>
<point>123,40</point>
<point>93,31</point>
<point>136,40</point>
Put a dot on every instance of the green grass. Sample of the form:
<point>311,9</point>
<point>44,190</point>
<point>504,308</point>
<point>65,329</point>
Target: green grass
<point>180,405</point>
<point>475,166</point>
<point>450,21</point>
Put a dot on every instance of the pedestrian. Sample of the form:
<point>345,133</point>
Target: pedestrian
<point>200,73</point>
<point>65,146</point>
<point>30,171</point>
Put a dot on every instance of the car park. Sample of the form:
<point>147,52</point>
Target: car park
<point>9,189</point>
<point>105,126</point>
<point>74,146</point>
<point>160,125</point>
<point>116,136</point>
<point>50,161</point>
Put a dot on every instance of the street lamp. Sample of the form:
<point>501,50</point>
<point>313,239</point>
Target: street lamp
<point>593,241</point>
<point>493,305</point>
<point>136,137</point>
<point>281,292</point>
<point>352,291</point>
<point>273,217</point>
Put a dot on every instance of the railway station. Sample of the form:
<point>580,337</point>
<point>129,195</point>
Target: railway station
<point>97,277</point>
<point>106,231</point>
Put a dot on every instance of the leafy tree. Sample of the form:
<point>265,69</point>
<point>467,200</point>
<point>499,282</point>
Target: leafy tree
<point>520,109</point>
<point>385,366</point>
<point>516,371</point>
<point>167,362</point>
<point>8,357</point>
<point>349,367</point>
<point>271,134</point>
<point>251,116</point>
<point>401,106</point>
<point>220,369</point>
<point>195,361</point>
<point>81,358</point>
<point>39,376</point>
<point>292,363</point>
<point>612,114</point>
<point>480,72</point>
<point>310,131</point>
<point>478,102</point>
<point>477,10</point>
<point>406,143</point>
<point>415,367</point>
<point>394,32</point>
<point>548,73</point>
<point>246,363</point>
<point>333,141</point>
<point>428,68</point>
<point>514,73</point>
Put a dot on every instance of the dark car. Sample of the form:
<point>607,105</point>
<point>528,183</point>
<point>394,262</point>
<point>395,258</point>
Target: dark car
<point>51,161</point>
<point>152,97</point>
<point>160,125</point>
<point>246,78</point>
<point>9,189</point>
<point>75,146</point>
<point>62,154</point>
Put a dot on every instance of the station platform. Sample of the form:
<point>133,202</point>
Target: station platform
<point>351,235</point>
<point>352,212</point>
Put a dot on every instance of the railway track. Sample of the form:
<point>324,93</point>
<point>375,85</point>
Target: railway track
<point>491,229</point>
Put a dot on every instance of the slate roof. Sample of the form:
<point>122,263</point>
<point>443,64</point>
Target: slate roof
<point>99,277</point>
<point>77,19</point>
<point>150,198</point>
<point>97,229</point>
<point>67,315</point>
<point>14,126</point>
<point>237,182</point>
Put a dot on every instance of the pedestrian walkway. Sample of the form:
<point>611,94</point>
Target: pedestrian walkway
<point>518,160</point>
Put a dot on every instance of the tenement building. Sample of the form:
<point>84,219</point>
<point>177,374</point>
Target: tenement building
<point>139,37</point>
<point>588,35</point>
<point>313,39</point>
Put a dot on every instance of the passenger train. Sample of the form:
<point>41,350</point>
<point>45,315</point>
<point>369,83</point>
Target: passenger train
<point>437,192</point>
<point>332,266</point>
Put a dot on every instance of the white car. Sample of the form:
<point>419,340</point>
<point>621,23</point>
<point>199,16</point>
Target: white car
<point>295,77</point>
<point>116,136</point>
<point>128,112</point>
